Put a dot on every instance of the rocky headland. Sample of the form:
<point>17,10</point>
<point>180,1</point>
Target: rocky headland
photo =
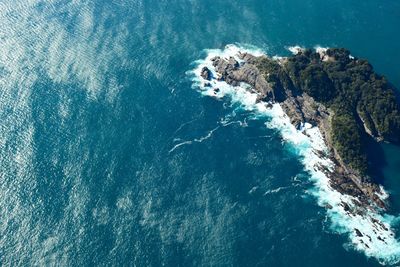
<point>328,88</point>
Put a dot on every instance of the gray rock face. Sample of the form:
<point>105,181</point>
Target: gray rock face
<point>234,73</point>
<point>300,109</point>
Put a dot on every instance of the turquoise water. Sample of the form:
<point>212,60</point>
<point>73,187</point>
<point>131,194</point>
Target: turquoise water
<point>95,95</point>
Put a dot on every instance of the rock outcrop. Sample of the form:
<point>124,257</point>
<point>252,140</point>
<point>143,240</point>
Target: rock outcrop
<point>206,73</point>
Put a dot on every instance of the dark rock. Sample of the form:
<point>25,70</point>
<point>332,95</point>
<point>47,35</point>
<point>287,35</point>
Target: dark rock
<point>358,233</point>
<point>206,73</point>
<point>232,62</point>
<point>346,207</point>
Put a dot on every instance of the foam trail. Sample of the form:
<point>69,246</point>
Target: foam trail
<point>370,232</point>
<point>273,191</point>
<point>184,125</point>
<point>179,145</point>
<point>223,123</point>
<point>197,140</point>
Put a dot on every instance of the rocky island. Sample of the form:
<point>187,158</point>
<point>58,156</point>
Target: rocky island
<point>328,88</point>
<point>346,101</point>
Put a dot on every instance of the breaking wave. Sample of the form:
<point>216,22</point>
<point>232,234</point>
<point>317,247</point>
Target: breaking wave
<point>370,233</point>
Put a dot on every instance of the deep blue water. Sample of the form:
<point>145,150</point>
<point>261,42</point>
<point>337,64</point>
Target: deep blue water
<point>93,96</point>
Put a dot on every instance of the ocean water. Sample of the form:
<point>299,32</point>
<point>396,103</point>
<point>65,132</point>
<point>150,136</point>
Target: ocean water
<point>110,156</point>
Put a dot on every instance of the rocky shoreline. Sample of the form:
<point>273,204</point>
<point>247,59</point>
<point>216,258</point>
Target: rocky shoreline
<point>301,109</point>
<point>307,97</point>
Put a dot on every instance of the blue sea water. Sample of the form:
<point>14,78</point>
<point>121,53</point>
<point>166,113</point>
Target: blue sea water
<point>94,96</point>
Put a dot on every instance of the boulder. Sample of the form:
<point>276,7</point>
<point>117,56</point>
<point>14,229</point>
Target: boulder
<point>206,73</point>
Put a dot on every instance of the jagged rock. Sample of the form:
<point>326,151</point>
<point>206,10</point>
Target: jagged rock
<point>206,73</point>
<point>346,207</point>
<point>358,233</point>
<point>231,72</point>
<point>232,62</point>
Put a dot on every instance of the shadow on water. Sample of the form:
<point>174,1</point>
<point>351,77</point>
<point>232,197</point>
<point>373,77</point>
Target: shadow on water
<point>376,156</point>
<point>376,159</point>
<point>395,90</point>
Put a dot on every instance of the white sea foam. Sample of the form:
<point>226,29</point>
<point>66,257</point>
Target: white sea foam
<point>274,191</point>
<point>374,235</point>
<point>295,49</point>
<point>196,140</point>
<point>321,50</point>
<point>223,123</point>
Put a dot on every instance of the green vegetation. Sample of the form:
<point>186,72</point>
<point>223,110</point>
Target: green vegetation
<point>347,140</point>
<point>313,78</point>
<point>277,78</point>
<point>351,89</point>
